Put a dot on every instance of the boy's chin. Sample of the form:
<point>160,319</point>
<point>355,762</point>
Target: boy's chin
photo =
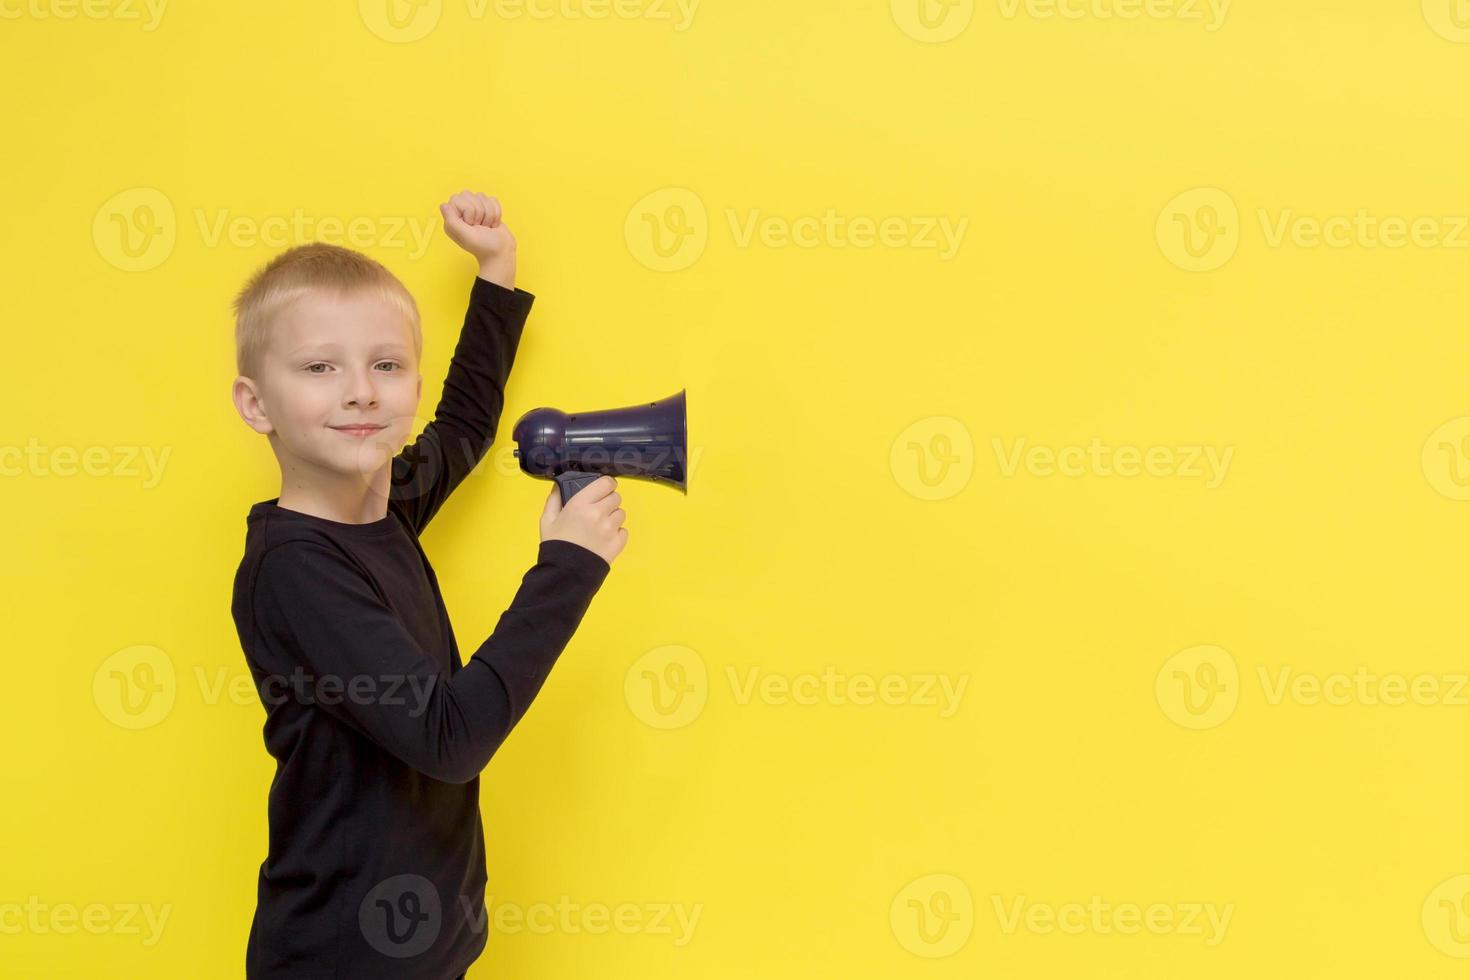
<point>362,460</point>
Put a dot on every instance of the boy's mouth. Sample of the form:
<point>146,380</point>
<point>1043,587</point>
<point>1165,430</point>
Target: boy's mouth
<point>358,430</point>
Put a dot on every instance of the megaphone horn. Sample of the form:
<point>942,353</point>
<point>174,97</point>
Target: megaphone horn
<point>648,441</point>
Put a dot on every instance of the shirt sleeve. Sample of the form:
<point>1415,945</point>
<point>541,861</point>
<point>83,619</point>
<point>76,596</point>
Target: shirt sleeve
<point>428,469</point>
<point>352,657</point>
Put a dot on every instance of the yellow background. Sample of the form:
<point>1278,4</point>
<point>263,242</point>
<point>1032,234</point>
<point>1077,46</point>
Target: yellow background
<point>848,508</point>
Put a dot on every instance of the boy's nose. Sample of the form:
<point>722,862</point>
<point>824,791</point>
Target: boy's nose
<point>362,390</point>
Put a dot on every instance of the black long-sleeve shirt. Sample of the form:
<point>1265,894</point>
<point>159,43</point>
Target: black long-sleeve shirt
<point>376,858</point>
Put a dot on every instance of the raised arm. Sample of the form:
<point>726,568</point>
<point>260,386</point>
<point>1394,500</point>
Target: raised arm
<point>428,470</point>
<point>361,665</point>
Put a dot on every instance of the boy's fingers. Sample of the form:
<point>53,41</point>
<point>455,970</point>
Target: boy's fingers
<point>552,506</point>
<point>595,491</point>
<point>452,219</point>
<point>466,203</point>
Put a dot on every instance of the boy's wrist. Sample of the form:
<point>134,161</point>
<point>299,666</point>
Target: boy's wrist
<point>500,269</point>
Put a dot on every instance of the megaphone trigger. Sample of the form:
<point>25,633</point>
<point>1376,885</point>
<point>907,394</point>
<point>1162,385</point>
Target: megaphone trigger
<point>573,481</point>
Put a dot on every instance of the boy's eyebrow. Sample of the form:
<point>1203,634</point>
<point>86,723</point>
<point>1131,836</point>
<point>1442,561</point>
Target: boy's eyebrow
<point>332,345</point>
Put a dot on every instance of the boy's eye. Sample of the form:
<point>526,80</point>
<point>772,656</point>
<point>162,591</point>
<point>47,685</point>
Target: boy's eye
<point>312,368</point>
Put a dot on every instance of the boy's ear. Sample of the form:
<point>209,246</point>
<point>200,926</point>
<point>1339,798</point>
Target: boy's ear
<point>247,403</point>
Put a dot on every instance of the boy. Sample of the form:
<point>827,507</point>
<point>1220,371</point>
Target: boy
<point>376,858</point>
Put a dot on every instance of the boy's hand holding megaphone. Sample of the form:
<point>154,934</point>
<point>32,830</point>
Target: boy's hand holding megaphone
<point>593,518</point>
<point>583,454</point>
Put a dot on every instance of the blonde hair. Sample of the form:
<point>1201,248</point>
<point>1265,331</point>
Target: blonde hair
<point>295,271</point>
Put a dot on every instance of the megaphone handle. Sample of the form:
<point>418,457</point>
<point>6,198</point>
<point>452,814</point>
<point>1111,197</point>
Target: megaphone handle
<point>573,481</point>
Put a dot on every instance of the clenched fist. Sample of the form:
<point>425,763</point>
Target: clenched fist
<point>592,518</point>
<point>474,222</point>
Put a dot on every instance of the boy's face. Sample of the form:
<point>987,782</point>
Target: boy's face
<point>336,361</point>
